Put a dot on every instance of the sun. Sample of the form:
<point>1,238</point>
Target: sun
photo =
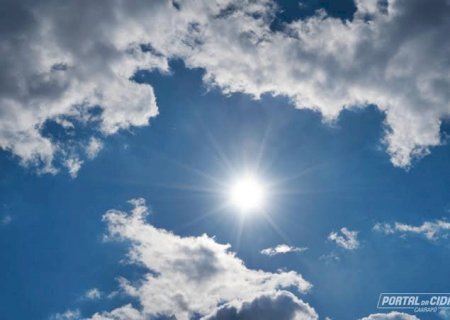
<point>247,194</point>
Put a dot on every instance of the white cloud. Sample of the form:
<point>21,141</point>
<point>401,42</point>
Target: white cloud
<point>45,76</point>
<point>93,294</point>
<point>188,275</point>
<point>126,312</point>
<point>276,305</point>
<point>73,166</point>
<point>326,64</point>
<point>432,230</point>
<point>281,249</point>
<point>395,57</point>
<point>385,228</point>
<point>93,148</point>
<point>394,315</point>
<point>347,239</point>
<point>67,315</point>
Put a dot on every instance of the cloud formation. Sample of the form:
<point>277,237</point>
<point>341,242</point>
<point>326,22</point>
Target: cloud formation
<point>346,239</point>
<point>281,249</point>
<point>67,315</point>
<point>191,275</point>
<point>71,63</point>
<point>93,294</point>
<point>278,305</point>
<point>394,315</point>
<point>432,230</point>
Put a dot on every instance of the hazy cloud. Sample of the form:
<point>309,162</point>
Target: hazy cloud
<point>432,230</point>
<point>5,220</point>
<point>67,315</point>
<point>93,294</point>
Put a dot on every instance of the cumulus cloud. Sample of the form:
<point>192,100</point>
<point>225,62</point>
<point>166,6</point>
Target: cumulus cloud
<point>69,64</point>
<point>278,305</point>
<point>126,312</point>
<point>191,275</point>
<point>72,63</point>
<point>281,249</point>
<point>345,238</point>
<point>432,230</point>
<point>394,315</point>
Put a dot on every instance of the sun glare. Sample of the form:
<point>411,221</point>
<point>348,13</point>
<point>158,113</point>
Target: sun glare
<point>247,194</point>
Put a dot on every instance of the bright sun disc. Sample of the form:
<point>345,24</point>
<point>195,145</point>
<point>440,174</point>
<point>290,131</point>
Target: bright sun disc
<point>247,194</point>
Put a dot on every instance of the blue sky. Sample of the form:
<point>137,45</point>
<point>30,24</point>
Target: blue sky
<point>360,168</point>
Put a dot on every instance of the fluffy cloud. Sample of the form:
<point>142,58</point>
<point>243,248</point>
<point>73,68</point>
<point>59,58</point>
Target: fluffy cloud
<point>347,239</point>
<point>280,305</point>
<point>71,62</point>
<point>281,249</point>
<point>192,275</point>
<point>432,230</point>
<point>126,312</point>
<point>394,315</point>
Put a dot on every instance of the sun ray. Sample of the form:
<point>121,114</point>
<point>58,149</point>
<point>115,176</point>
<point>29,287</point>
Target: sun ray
<point>275,227</point>
<point>201,217</point>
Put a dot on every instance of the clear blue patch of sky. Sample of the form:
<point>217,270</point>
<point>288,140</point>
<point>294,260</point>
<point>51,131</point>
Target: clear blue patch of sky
<point>289,10</point>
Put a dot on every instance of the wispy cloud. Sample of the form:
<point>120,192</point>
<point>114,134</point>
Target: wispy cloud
<point>93,148</point>
<point>345,238</point>
<point>330,257</point>
<point>432,230</point>
<point>73,165</point>
<point>281,249</point>
<point>93,294</point>
<point>67,315</point>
